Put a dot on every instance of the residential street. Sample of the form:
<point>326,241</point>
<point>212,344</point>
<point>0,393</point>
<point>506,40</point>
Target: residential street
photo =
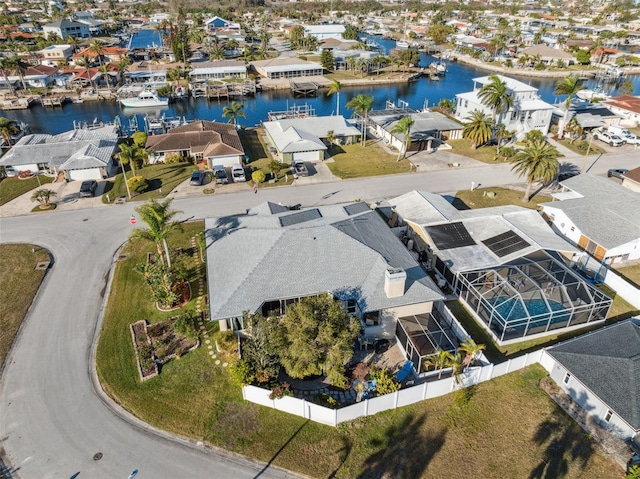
<point>52,420</point>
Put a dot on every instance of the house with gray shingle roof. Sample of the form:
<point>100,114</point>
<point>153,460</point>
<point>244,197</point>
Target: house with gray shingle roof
<point>598,215</point>
<point>601,372</point>
<point>345,250</point>
<point>81,154</point>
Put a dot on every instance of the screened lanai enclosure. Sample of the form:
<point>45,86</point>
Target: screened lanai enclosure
<point>531,296</point>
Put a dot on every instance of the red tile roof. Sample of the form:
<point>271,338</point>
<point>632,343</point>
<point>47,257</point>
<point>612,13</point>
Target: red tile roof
<point>625,102</point>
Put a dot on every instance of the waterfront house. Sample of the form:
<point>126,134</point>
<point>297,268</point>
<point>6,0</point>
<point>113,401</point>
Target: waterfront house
<point>216,25</point>
<point>600,372</point>
<point>82,154</point>
<point>504,263</point>
<point>627,106</point>
<point>40,76</point>
<point>305,139</point>
<point>529,111</point>
<point>149,73</point>
<point>345,250</point>
<point>55,54</point>
<point>107,54</point>
<point>67,28</point>
<point>549,55</point>
<point>216,70</point>
<point>322,32</point>
<point>599,216</point>
<point>428,127</point>
<point>208,142</point>
<point>286,67</point>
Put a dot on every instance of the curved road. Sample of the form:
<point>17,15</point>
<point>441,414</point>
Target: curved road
<point>52,420</point>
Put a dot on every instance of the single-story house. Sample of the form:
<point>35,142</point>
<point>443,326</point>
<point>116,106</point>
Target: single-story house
<point>81,154</point>
<point>285,67</point>
<point>305,139</point>
<point>627,106</point>
<point>149,73</point>
<point>599,216</point>
<point>345,250</point>
<point>322,32</point>
<point>592,115</point>
<point>209,141</point>
<point>549,55</point>
<point>427,126</point>
<point>505,264</point>
<point>107,54</point>
<point>218,70</point>
<point>631,180</point>
<point>600,371</point>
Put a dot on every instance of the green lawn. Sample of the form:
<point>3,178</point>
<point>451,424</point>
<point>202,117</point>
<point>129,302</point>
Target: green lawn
<point>479,198</point>
<point>19,282</point>
<point>594,150</point>
<point>254,146</point>
<point>356,161</point>
<point>162,178</point>
<point>486,154</point>
<point>11,188</point>
<point>469,434</point>
<point>631,273</point>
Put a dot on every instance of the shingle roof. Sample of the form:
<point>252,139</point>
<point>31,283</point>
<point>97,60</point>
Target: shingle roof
<point>327,251</point>
<point>607,362</point>
<point>607,213</point>
<point>208,137</point>
<point>290,139</point>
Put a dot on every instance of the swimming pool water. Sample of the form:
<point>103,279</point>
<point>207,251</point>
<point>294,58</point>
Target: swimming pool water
<point>512,309</point>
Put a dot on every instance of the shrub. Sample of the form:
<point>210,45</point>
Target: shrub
<point>553,130</point>
<point>258,176</point>
<point>581,145</point>
<point>185,325</point>
<point>137,183</point>
<point>164,90</point>
<point>226,341</point>
<point>209,191</point>
<point>139,138</point>
<point>281,391</point>
<point>241,373</point>
<point>385,381</point>
<point>172,158</point>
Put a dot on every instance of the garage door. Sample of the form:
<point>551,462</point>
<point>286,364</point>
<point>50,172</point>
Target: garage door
<point>306,156</point>
<point>88,174</point>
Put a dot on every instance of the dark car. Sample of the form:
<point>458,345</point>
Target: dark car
<point>88,188</point>
<point>616,172</point>
<point>566,175</point>
<point>221,175</point>
<point>197,178</point>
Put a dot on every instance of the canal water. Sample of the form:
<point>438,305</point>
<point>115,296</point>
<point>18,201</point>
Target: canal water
<point>423,92</point>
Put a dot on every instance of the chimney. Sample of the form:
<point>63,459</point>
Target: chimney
<point>394,281</point>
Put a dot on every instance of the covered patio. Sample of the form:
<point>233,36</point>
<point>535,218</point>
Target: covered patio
<point>531,296</point>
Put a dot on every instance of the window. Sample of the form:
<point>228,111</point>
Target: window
<point>608,416</point>
<point>573,228</point>
<point>351,306</point>
<point>566,378</point>
<point>372,318</point>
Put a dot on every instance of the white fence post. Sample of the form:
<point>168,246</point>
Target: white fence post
<point>395,399</point>
<point>490,372</point>
<point>304,409</point>
<point>424,390</point>
<point>366,407</point>
<point>508,366</point>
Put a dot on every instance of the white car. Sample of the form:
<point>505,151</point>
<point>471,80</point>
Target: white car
<point>605,136</point>
<point>237,173</point>
<point>630,139</point>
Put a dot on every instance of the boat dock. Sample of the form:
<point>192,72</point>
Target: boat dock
<point>17,103</point>
<point>302,111</point>
<point>53,100</point>
<point>304,88</point>
<point>224,90</point>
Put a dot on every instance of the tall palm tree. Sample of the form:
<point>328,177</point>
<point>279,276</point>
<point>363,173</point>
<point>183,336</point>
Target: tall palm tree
<point>105,70</point>
<point>478,128</point>
<point>403,127</point>
<point>538,161</point>
<point>6,65</point>
<point>501,133</point>
<point>334,87</point>
<point>569,86</point>
<point>496,96</point>
<point>97,47</point>
<point>158,217</point>
<point>471,350</point>
<point>361,105</point>
<point>456,363</point>
<point>8,128</point>
<point>85,63</point>
<point>233,112</point>
<point>132,155</point>
<point>574,129</point>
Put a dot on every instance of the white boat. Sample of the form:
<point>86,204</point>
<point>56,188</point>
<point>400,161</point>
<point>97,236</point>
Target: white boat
<point>590,95</point>
<point>145,99</point>
<point>402,45</point>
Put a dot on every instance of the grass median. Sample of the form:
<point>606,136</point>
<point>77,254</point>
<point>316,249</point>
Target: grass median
<point>459,435</point>
<point>11,188</point>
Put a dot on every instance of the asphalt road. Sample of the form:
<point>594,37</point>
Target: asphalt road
<point>52,420</point>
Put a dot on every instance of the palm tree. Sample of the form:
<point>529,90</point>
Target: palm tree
<point>97,47</point>
<point>331,137</point>
<point>569,86</point>
<point>158,217</point>
<point>471,350</point>
<point>105,70</point>
<point>6,65</point>
<point>496,96</point>
<point>446,105</point>
<point>8,128</point>
<point>478,128</point>
<point>85,63</point>
<point>361,105</point>
<point>456,363</point>
<point>574,129</point>
<point>43,196</point>
<point>439,360</point>
<point>538,161</point>
<point>501,133</point>
<point>334,87</point>
<point>131,155</point>
<point>403,127</point>
<point>216,52</point>
<point>233,112</point>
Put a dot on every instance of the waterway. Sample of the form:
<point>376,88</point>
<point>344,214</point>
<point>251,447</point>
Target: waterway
<point>423,92</point>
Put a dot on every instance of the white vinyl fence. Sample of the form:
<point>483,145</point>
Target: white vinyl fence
<point>404,397</point>
<point>622,287</point>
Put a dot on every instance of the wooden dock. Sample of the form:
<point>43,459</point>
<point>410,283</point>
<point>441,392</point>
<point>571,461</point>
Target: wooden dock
<point>304,88</point>
<point>52,101</point>
<point>17,103</point>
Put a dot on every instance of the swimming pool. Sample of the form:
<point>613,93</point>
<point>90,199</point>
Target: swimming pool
<point>512,309</point>
<point>145,39</point>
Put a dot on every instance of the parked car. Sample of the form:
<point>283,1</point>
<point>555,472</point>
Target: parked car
<point>197,178</point>
<point>565,175</point>
<point>605,136</point>
<point>88,188</point>
<point>616,172</point>
<point>630,138</point>
<point>221,175</point>
<point>299,168</point>
<point>237,173</point>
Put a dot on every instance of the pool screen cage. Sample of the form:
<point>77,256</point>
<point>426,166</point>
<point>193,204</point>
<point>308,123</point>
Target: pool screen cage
<point>531,296</point>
